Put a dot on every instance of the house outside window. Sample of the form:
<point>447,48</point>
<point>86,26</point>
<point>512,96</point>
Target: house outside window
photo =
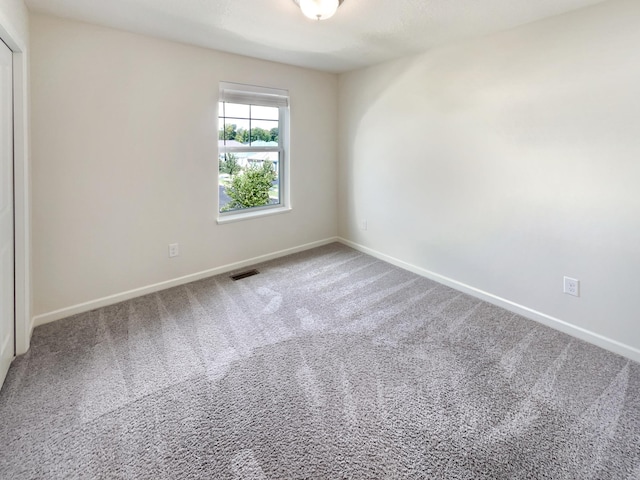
<point>253,125</point>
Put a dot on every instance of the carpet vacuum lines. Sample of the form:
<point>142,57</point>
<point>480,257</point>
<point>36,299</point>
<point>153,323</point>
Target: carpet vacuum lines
<point>329,364</point>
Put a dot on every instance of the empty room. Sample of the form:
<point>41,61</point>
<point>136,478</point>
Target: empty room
<point>320,239</point>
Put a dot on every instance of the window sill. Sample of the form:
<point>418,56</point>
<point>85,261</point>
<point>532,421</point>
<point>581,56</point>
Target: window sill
<point>239,217</point>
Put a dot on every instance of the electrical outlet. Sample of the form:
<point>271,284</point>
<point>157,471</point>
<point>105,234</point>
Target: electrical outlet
<point>572,286</point>
<point>174,250</point>
<point>363,225</point>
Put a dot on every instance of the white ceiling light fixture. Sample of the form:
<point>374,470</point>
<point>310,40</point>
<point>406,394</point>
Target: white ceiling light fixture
<point>318,9</point>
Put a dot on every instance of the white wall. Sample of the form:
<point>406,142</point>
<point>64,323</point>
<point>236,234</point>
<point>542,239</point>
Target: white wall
<point>14,16</point>
<point>507,162</point>
<point>125,161</point>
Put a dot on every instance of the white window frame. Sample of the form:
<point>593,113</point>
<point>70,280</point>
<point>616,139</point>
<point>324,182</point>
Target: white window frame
<point>260,96</point>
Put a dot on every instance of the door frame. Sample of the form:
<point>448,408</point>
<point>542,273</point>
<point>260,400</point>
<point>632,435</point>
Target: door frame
<point>21,189</point>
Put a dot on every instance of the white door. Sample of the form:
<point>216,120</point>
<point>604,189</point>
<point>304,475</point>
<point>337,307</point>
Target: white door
<point>7,324</point>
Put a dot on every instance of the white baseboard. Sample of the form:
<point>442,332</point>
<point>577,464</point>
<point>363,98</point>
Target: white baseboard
<point>555,323</point>
<point>138,292</point>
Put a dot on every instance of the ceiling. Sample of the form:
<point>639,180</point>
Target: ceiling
<point>363,32</point>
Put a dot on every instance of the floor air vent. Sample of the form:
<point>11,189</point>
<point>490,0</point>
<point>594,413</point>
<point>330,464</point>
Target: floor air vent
<point>241,275</point>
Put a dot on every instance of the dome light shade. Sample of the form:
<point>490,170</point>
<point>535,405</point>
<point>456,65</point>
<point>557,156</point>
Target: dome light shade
<point>319,9</point>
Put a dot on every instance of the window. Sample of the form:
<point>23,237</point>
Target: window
<point>252,150</point>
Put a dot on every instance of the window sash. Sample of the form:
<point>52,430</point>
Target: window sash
<point>282,199</point>
<point>225,149</point>
<point>281,133</point>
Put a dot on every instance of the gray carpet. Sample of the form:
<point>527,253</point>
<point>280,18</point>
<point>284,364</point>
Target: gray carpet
<point>330,364</point>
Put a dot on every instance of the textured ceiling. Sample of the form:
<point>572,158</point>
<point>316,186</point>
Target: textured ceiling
<point>363,32</point>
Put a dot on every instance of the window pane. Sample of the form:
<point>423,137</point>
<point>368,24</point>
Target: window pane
<point>264,133</point>
<point>236,130</point>
<point>236,110</point>
<point>265,113</point>
<point>248,180</point>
